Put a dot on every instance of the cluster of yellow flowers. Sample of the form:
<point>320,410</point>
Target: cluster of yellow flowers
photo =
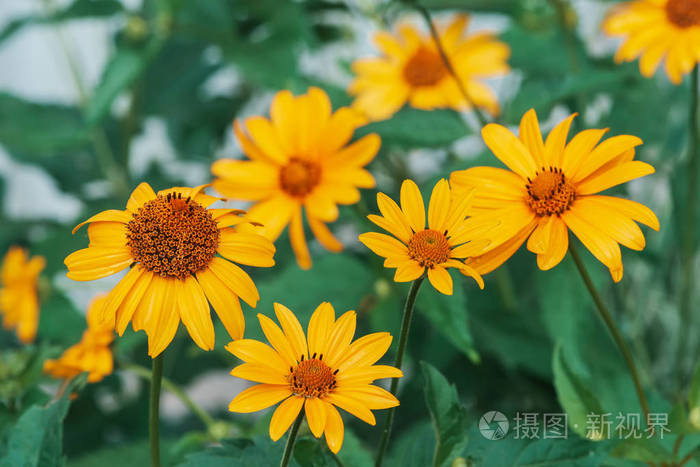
<point>181,253</point>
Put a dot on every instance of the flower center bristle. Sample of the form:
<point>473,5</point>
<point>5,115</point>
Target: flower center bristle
<point>299,177</point>
<point>429,247</point>
<point>312,378</point>
<point>172,236</point>
<point>683,13</point>
<point>424,68</point>
<point>549,192</point>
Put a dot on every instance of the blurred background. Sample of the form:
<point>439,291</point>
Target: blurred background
<point>99,95</point>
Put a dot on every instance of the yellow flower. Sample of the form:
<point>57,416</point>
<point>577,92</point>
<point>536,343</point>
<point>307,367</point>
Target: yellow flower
<point>92,354</point>
<point>440,246</point>
<point>657,30</point>
<point>169,242</point>
<point>318,374</point>
<point>19,304</point>
<point>552,185</point>
<point>412,70</point>
<point>299,159</point>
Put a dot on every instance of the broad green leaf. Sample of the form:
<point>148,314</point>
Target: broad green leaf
<point>449,314</point>
<point>644,450</point>
<point>414,448</point>
<point>447,414</point>
<point>419,128</point>
<point>259,452</point>
<point>575,397</point>
<point>312,452</point>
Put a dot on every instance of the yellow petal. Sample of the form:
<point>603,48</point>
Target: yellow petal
<point>316,415</point>
<point>284,415</point>
<point>140,196</point>
<point>224,301</point>
<point>194,312</point>
<point>162,318</point>
<point>365,351</point>
<point>579,150</point>
<point>558,246</point>
<point>246,248</point>
<point>495,257</point>
<point>395,220</point>
<point>118,294</point>
<point>366,375</point>
<point>130,304</point>
<point>531,136</point>
<point>632,209</point>
<point>260,396</point>
<point>298,240</point>
<point>96,262</point>
<point>324,235</point>
<point>278,340</point>
<point>259,374</point>
<point>441,279</point>
<point>292,329</point>
<point>556,142</point>
<point>352,406</point>
<point>339,338</point>
<point>107,234</point>
<point>412,205</point>
<point>320,326</point>
<point>509,149</point>
<point>439,206</point>
<point>602,154</point>
<point>613,177</point>
<point>408,270</point>
<point>371,396</point>
<point>383,245</point>
<point>334,429</point>
<point>111,215</point>
<point>236,279</point>
<point>263,134</point>
<point>252,351</point>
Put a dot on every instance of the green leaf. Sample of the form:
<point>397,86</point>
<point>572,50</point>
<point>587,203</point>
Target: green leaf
<point>449,315</point>
<point>694,393</point>
<point>574,396</point>
<point>419,128</point>
<point>124,67</point>
<point>310,452</point>
<point>448,416</point>
<point>644,450</point>
<point>260,452</point>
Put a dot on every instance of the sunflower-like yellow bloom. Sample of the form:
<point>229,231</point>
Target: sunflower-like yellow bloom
<point>657,30</point>
<point>320,373</point>
<point>412,70</point>
<point>19,303</point>
<point>170,243</point>
<point>92,354</point>
<point>552,186</point>
<point>414,248</point>
<point>299,159</point>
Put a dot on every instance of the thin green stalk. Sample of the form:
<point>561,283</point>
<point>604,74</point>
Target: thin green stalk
<point>154,409</point>
<point>607,318</point>
<point>446,60</point>
<point>176,390</point>
<point>403,340</point>
<point>688,242</point>
<point>289,447</point>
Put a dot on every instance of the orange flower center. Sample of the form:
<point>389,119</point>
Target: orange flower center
<point>172,237</point>
<point>312,378</point>
<point>549,192</point>
<point>429,247</point>
<point>299,177</point>
<point>683,13</point>
<point>425,68</point>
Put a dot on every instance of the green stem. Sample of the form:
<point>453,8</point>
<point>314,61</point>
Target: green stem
<point>448,64</point>
<point>176,390</point>
<point>154,409</point>
<point>607,318</point>
<point>688,242</point>
<point>403,340</point>
<point>289,447</point>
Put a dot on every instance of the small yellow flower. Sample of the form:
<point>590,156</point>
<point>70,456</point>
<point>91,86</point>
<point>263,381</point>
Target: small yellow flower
<point>19,303</point>
<point>656,30</point>
<point>444,244</point>
<point>320,373</point>
<point>92,354</point>
<point>299,159</point>
<point>552,186</point>
<point>412,70</point>
<point>170,243</point>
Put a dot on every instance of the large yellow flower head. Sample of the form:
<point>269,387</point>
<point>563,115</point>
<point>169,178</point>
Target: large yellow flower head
<point>443,244</point>
<point>658,30</point>
<point>92,354</point>
<point>299,160</point>
<point>19,303</point>
<point>552,186</point>
<point>179,254</point>
<point>318,373</point>
<point>412,70</point>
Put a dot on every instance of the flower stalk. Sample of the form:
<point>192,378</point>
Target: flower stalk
<point>403,340</point>
<point>289,447</point>
<point>154,410</point>
<point>607,318</point>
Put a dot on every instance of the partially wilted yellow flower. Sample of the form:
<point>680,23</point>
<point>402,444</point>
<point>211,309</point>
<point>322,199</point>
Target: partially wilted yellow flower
<point>552,186</point>
<point>299,160</point>
<point>412,70</point>
<point>443,244</point>
<point>92,354</point>
<point>320,373</point>
<point>170,243</point>
<point>19,303</point>
<point>656,30</point>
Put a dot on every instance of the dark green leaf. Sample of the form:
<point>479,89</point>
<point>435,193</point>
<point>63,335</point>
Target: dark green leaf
<point>260,452</point>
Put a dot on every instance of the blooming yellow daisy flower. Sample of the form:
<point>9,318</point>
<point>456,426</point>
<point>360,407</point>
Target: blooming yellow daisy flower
<point>299,159</point>
<point>19,303</point>
<point>412,70</point>
<point>443,244</point>
<point>92,354</point>
<point>552,186</point>
<point>655,30</point>
<point>320,373</point>
<point>169,242</point>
